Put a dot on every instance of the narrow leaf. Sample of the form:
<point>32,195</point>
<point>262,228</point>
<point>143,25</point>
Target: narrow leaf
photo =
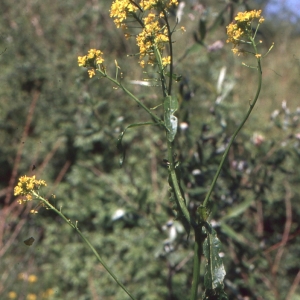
<point>171,122</point>
<point>233,234</point>
<point>238,209</point>
<point>176,77</point>
<point>214,268</point>
<point>202,29</point>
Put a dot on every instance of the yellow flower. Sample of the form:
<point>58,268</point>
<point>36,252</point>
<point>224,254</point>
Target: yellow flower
<point>120,10</point>
<point>166,60</point>
<point>240,30</point>
<point>82,61</point>
<point>32,278</point>
<point>92,53</point>
<point>142,63</point>
<point>26,185</point>
<point>31,297</point>
<point>173,2</point>
<point>99,60</point>
<point>91,60</point>
<point>12,295</point>
<point>91,73</point>
<point>153,35</point>
<point>235,51</point>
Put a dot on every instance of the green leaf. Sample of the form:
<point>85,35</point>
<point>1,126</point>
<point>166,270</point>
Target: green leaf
<point>176,77</point>
<point>171,104</point>
<point>238,209</point>
<point>202,29</point>
<point>214,268</point>
<point>171,122</point>
<point>233,234</point>
<point>120,138</point>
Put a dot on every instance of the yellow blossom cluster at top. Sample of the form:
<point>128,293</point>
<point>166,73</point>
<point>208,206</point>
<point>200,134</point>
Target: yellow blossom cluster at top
<point>241,28</point>
<point>91,60</point>
<point>26,185</point>
<point>154,33</point>
<point>122,9</point>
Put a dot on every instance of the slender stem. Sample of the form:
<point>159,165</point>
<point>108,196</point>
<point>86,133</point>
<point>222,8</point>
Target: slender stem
<point>74,226</point>
<point>156,118</point>
<point>161,71</point>
<point>197,261</point>
<point>177,191</point>
<point>171,52</point>
<point>236,132</point>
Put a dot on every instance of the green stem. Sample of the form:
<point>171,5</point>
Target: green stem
<point>74,226</point>
<point>176,188</point>
<point>161,71</point>
<point>157,119</point>
<point>197,261</point>
<point>177,191</point>
<point>235,133</point>
<point>171,52</point>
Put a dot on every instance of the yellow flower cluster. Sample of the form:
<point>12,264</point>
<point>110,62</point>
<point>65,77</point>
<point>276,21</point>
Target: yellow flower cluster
<point>153,34</point>
<point>122,9</point>
<point>31,296</point>
<point>249,16</point>
<point>91,60</point>
<point>241,28</point>
<point>12,295</point>
<point>26,185</point>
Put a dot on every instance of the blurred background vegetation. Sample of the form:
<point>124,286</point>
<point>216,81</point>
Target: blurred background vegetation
<point>61,126</point>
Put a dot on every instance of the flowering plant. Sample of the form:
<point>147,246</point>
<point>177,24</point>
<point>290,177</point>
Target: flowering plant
<point>155,44</point>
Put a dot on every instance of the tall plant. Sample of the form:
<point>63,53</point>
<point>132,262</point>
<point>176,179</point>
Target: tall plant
<point>155,42</point>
